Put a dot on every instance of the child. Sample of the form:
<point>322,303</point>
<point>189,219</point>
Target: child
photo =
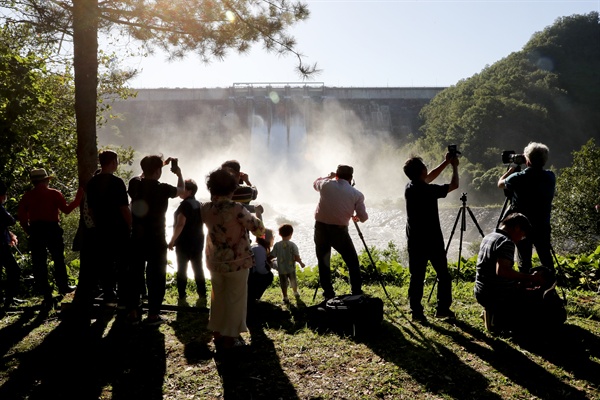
<point>287,255</point>
<point>260,277</point>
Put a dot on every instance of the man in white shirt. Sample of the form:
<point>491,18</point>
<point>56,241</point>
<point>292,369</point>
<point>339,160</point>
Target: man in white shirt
<point>339,202</point>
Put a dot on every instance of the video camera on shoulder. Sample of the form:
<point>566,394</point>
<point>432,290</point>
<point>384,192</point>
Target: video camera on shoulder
<point>510,157</point>
<point>453,150</point>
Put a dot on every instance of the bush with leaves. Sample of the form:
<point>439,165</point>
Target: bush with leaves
<point>575,220</point>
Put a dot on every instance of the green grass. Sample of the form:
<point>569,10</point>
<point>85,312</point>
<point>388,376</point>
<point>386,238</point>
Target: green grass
<point>46,358</point>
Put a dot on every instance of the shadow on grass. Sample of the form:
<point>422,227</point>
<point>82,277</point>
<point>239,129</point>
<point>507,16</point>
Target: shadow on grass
<point>14,333</point>
<point>75,361</point>
<point>430,363</point>
<point>572,349</point>
<point>190,329</point>
<point>511,362</point>
<point>255,371</point>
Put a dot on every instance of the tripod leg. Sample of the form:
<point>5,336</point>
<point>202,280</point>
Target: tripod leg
<point>460,212</point>
<point>475,221</point>
<point>460,243</point>
<point>564,296</point>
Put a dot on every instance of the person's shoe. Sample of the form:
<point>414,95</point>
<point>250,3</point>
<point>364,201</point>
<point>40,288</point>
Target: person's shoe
<point>153,320</point>
<point>201,302</point>
<point>445,314</point>
<point>133,318</point>
<point>286,300</point>
<point>419,317</point>
<point>297,295</point>
<point>328,296</point>
<point>182,302</point>
<point>67,289</point>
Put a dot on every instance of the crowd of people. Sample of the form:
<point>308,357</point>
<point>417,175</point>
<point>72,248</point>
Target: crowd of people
<point>123,246</point>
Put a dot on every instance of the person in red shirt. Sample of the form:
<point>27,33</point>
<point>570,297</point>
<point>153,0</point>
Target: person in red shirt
<point>38,214</point>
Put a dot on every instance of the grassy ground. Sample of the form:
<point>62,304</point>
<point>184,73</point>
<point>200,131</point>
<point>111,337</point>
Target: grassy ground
<point>44,357</point>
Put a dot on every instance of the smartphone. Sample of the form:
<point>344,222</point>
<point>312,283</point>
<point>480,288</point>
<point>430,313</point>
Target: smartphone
<point>173,164</point>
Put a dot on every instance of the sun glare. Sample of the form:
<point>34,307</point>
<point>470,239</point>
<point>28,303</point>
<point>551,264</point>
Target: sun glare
<point>230,16</point>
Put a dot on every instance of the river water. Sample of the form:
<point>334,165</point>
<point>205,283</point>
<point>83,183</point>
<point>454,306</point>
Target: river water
<point>385,224</point>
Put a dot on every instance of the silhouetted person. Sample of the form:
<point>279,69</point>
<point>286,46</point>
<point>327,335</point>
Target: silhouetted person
<point>108,205</point>
<point>188,241</point>
<point>424,233</point>
<point>531,192</point>
<point>149,202</point>
<point>7,260</point>
<point>39,216</point>
<point>245,192</point>
<point>261,276</point>
<point>339,202</point>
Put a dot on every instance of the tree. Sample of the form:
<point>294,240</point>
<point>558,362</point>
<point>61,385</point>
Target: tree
<point>31,134</point>
<point>575,219</point>
<point>207,27</point>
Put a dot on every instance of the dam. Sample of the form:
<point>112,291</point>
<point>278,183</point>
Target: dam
<point>277,111</point>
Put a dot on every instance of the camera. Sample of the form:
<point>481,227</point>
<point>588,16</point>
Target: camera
<point>510,157</point>
<point>173,164</point>
<point>453,150</point>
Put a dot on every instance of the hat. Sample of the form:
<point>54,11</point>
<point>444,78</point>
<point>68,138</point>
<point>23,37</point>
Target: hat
<point>39,174</point>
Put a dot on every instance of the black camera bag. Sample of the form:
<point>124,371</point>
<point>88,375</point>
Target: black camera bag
<point>355,315</point>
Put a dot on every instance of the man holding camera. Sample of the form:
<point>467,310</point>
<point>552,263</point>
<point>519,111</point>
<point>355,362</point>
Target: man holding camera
<point>424,233</point>
<point>339,202</point>
<point>531,192</point>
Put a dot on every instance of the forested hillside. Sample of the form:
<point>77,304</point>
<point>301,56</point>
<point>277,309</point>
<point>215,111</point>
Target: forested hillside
<point>547,92</point>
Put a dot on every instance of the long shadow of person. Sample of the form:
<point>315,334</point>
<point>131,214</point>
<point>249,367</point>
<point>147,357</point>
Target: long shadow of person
<point>571,348</point>
<point>135,361</point>
<point>255,371</point>
<point>62,366</point>
<point>190,328</point>
<point>430,363</point>
<point>510,362</point>
<point>15,332</point>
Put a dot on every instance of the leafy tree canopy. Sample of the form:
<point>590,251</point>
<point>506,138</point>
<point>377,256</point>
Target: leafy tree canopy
<point>575,219</point>
<point>37,124</point>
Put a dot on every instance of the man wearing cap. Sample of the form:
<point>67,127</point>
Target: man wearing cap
<point>338,203</point>
<point>38,214</point>
<point>8,240</point>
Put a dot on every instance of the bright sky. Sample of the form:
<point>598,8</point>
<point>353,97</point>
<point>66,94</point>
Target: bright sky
<point>379,43</point>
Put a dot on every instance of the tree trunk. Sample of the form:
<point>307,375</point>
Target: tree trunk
<point>85,66</point>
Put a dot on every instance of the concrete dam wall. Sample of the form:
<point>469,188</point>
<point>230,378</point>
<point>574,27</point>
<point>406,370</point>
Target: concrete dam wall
<point>276,113</point>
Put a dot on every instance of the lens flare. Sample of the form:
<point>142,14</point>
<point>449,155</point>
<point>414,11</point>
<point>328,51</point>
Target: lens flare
<point>230,16</point>
<point>274,97</point>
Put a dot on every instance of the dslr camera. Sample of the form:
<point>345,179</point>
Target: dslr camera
<point>510,157</point>
<point>452,149</point>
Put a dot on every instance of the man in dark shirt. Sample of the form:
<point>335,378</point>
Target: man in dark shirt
<point>149,202</point>
<point>531,192</point>
<point>424,234</point>
<point>188,240</point>
<point>498,287</point>
<point>109,208</point>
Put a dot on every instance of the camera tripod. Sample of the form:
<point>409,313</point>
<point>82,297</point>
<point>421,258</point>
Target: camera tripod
<point>462,213</point>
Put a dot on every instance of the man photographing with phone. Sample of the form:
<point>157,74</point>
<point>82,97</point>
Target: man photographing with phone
<point>424,233</point>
